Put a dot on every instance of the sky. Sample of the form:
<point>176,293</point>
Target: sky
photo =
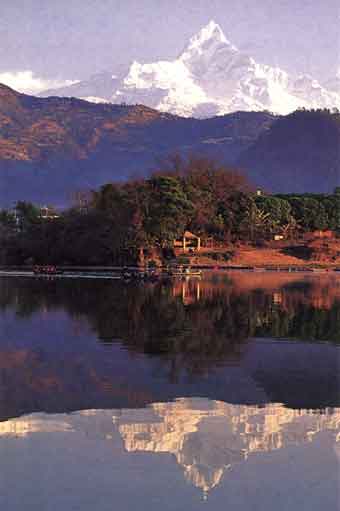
<point>45,43</point>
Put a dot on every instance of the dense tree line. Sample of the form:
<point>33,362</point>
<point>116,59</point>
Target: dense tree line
<point>117,221</point>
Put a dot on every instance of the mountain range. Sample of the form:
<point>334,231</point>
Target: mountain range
<point>210,77</point>
<point>51,147</point>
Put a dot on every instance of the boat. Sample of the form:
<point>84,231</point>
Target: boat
<point>50,270</point>
<point>139,275</point>
<point>184,272</point>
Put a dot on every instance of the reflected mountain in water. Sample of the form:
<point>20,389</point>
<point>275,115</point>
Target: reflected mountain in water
<point>206,437</point>
<point>21,428</point>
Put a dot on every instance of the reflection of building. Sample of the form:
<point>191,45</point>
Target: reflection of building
<point>207,437</point>
<point>189,290</point>
<point>277,297</point>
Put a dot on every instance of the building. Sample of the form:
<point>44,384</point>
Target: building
<point>48,213</point>
<point>189,242</point>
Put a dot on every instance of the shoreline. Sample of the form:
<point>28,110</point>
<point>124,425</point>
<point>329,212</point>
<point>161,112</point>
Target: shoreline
<point>114,273</point>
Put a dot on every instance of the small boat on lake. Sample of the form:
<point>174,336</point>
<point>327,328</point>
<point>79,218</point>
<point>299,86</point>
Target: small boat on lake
<point>46,270</point>
<point>139,275</point>
<point>182,272</point>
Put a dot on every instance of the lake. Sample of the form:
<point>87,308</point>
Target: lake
<point>219,393</point>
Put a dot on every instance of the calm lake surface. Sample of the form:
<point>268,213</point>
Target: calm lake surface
<point>214,394</point>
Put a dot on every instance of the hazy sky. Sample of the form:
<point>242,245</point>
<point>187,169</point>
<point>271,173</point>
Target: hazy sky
<point>72,39</point>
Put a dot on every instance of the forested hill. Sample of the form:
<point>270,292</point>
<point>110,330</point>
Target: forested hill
<point>300,152</point>
<point>50,147</point>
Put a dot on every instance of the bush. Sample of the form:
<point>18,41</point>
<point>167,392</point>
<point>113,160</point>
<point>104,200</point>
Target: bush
<point>183,260</point>
<point>152,264</point>
<point>220,256</point>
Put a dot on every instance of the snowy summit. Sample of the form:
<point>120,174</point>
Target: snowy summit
<point>210,77</point>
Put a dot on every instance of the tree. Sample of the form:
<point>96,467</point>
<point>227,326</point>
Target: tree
<point>27,214</point>
<point>309,212</point>
<point>169,210</point>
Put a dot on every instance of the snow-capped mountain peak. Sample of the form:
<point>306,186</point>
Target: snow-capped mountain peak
<point>207,47</point>
<point>210,77</point>
<point>211,33</point>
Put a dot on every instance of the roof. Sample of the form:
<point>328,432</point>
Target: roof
<point>188,234</point>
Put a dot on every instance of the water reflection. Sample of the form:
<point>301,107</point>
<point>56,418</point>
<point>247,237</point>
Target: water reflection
<point>67,346</point>
<point>232,306</point>
<point>206,438</point>
<point>151,396</point>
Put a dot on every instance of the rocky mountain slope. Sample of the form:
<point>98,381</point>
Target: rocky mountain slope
<point>210,77</point>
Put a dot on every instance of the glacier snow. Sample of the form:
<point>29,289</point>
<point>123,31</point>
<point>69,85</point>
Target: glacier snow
<point>210,77</point>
